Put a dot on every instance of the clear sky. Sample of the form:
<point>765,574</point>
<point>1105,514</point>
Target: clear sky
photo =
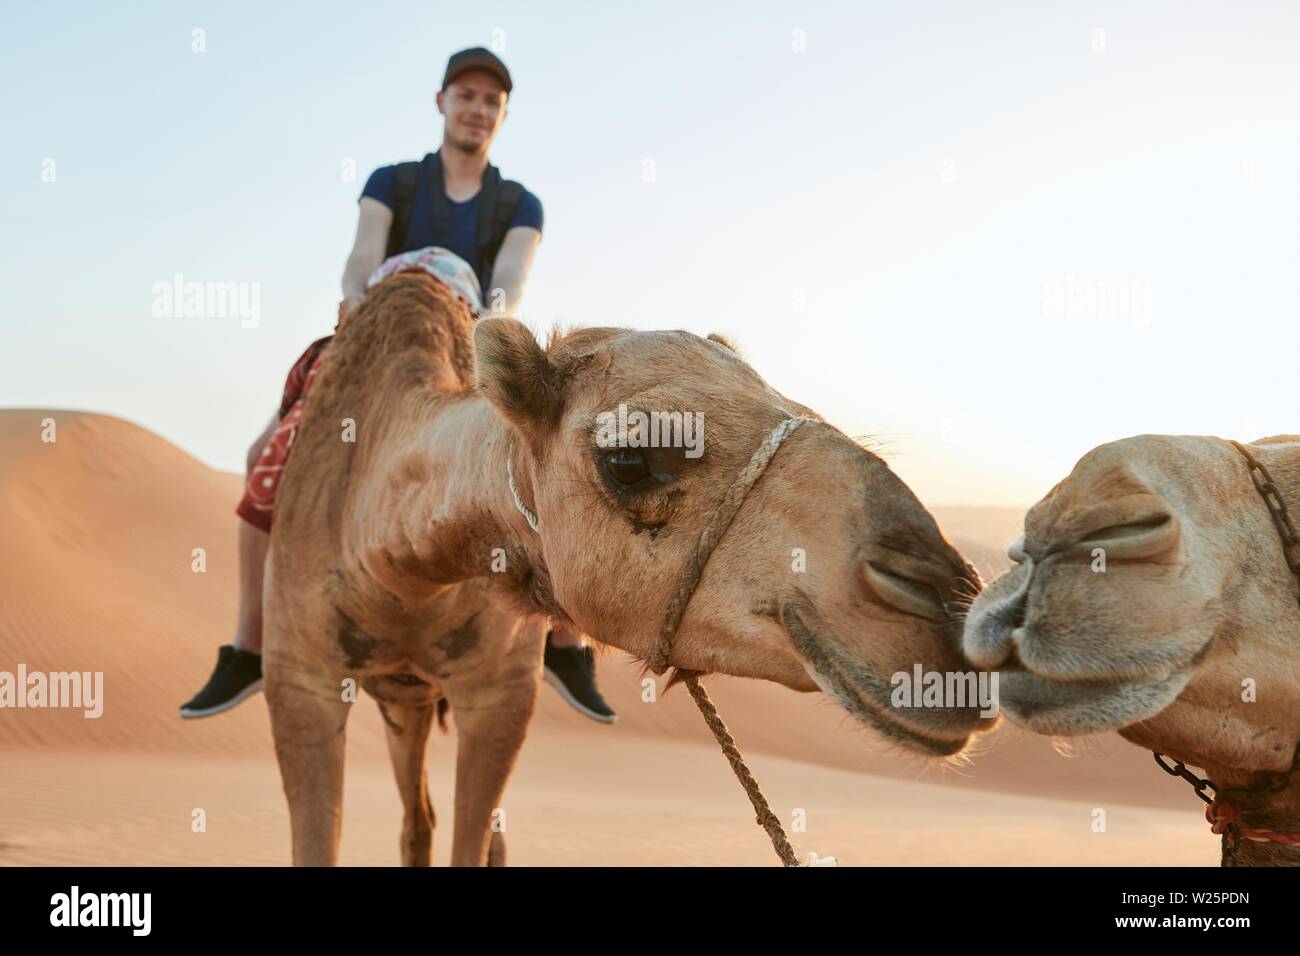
<point>990,235</point>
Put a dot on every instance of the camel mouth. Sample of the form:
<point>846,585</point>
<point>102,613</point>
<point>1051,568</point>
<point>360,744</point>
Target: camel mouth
<point>1077,678</point>
<point>1073,708</point>
<point>1071,704</point>
<point>867,696</point>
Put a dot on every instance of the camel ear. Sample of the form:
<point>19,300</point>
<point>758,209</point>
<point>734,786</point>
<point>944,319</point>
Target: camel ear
<point>516,376</point>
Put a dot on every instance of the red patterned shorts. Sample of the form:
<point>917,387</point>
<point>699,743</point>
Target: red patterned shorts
<point>264,478</point>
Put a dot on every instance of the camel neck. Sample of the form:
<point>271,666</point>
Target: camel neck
<point>438,510</point>
<point>1262,809</point>
<point>1282,459</point>
<point>1283,463</point>
<point>1280,814</point>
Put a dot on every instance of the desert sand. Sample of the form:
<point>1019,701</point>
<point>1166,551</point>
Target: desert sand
<point>98,532</point>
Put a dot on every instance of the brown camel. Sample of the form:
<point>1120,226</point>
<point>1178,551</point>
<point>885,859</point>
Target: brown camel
<point>1152,596</point>
<point>404,561</point>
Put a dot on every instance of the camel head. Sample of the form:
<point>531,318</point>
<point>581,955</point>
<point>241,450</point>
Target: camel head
<point>831,576</point>
<point>1151,595</point>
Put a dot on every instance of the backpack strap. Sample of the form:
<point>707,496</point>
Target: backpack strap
<point>498,201</point>
<point>406,182</point>
<point>440,204</point>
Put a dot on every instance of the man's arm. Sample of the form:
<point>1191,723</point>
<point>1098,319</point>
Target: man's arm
<point>368,248</point>
<point>510,271</point>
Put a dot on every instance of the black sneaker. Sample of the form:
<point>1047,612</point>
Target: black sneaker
<point>238,675</point>
<point>572,672</point>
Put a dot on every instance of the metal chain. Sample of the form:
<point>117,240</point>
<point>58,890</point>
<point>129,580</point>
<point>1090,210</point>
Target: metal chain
<point>1274,782</point>
<point>1179,769</point>
<point>1231,839</point>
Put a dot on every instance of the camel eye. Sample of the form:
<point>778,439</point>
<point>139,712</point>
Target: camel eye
<point>1146,537</point>
<point>627,467</point>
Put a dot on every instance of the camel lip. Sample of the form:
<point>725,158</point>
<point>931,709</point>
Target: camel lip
<point>1157,674</point>
<point>869,705</point>
<point>870,713</point>
<point>1072,708</point>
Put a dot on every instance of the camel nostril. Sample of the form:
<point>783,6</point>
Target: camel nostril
<point>995,629</point>
<point>1012,661</point>
<point>1016,620</point>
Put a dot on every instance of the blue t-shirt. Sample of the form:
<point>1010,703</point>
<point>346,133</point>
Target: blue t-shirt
<point>464,215</point>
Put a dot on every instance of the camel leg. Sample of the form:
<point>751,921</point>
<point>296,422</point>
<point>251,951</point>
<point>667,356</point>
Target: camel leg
<point>490,734</point>
<point>308,719</point>
<point>408,735</point>
<point>497,849</point>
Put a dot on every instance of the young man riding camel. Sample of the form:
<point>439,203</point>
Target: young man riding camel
<point>453,215</point>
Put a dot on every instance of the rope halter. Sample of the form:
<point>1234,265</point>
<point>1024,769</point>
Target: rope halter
<point>523,509</point>
<point>687,582</point>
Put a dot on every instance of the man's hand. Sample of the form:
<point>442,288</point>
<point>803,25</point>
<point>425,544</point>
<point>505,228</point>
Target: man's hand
<point>367,250</point>
<point>345,308</point>
<point>510,271</point>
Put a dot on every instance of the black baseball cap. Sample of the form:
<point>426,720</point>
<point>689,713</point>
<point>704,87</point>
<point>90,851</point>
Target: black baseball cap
<point>476,58</point>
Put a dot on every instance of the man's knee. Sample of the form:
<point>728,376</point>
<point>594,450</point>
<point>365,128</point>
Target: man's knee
<point>255,450</point>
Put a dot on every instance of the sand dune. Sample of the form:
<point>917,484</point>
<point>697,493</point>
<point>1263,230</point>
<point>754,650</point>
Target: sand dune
<point>982,534</point>
<point>100,529</point>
